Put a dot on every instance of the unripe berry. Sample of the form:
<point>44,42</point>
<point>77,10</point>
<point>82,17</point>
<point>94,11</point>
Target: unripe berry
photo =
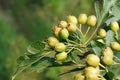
<point>102,33</point>
<point>62,24</point>
<point>71,27</point>
<point>115,46</point>
<point>72,19</point>
<point>114,26</point>
<point>92,70</point>
<point>107,51</point>
<point>92,77</point>
<point>93,60</point>
<point>107,60</point>
<point>64,34</point>
<point>79,77</point>
<point>61,56</point>
<point>82,19</point>
<point>91,21</point>
<point>56,31</point>
<point>60,47</point>
<point>52,41</point>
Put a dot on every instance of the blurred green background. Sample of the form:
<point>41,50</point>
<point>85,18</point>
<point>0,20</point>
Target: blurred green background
<point>25,21</point>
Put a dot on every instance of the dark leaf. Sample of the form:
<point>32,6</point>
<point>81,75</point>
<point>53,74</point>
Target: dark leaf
<point>55,64</point>
<point>109,75</point>
<point>73,70</point>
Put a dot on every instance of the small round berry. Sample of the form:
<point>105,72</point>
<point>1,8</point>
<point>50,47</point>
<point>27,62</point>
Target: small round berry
<point>71,27</point>
<point>61,56</point>
<point>102,33</point>
<point>79,77</point>
<point>107,51</point>
<point>115,46</point>
<point>92,77</point>
<point>114,26</point>
<point>91,21</point>
<point>62,24</point>
<point>91,70</point>
<point>72,19</point>
<point>82,19</point>
<point>107,60</point>
<point>93,60</point>
<point>64,34</point>
<point>60,47</point>
<point>52,41</point>
<point>56,31</point>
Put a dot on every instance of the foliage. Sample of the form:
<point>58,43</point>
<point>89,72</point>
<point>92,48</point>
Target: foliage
<point>40,55</point>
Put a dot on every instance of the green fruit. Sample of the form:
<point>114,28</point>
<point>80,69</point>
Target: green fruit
<point>93,60</point>
<point>92,77</point>
<point>102,33</point>
<point>72,19</point>
<point>61,56</point>
<point>64,34</point>
<point>114,26</point>
<point>82,19</point>
<point>91,21</point>
<point>60,47</point>
<point>52,41</point>
<point>92,70</point>
<point>107,51</point>
<point>71,27</point>
<point>79,77</point>
<point>62,24</point>
<point>115,46</point>
<point>107,60</point>
<point>56,31</point>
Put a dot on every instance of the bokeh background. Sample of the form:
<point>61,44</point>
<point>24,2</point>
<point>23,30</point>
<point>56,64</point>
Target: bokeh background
<point>25,21</point>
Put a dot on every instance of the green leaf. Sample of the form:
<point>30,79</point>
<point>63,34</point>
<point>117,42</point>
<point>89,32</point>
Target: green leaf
<point>97,9</point>
<point>36,47</point>
<point>55,64</point>
<point>27,62</point>
<point>110,37</point>
<point>42,64</point>
<point>97,47</point>
<point>109,75</point>
<point>73,70</point>
<point>107,5</point>
<point>115,11</point>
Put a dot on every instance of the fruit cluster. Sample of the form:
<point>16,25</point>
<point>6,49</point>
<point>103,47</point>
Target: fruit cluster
<point>63,30</point>
<point>63,45</point>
